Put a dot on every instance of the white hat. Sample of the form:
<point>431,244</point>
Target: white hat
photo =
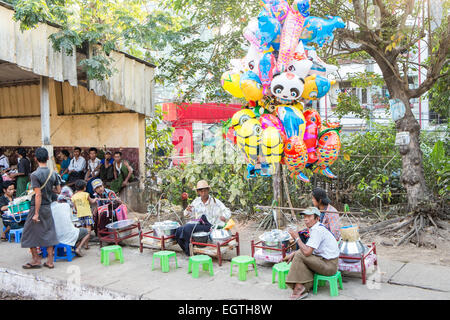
<point>312,210</point>
<point>202,184</point>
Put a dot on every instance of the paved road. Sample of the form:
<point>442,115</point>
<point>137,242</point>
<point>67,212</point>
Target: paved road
<point>134,279</point>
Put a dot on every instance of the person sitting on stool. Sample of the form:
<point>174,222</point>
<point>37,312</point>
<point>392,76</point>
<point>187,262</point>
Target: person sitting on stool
<point>319,255</point>
<point>206,211</point>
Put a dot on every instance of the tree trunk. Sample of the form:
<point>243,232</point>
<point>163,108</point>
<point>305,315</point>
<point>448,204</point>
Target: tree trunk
<point>413,177</point>
<point>277,193</point>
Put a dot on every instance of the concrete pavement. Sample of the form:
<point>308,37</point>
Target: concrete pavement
<point>135,280</point>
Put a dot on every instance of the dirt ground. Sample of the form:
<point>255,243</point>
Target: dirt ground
<point>436,252</point>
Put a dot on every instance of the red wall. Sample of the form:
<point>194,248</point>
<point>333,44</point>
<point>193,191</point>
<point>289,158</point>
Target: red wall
<point>182,116</point>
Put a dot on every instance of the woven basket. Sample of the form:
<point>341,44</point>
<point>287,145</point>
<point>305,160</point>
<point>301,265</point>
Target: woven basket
<point>350,233</point>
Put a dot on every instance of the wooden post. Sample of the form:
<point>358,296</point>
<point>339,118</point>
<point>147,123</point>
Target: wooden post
<point>45,120</point>
<point>277,193</point>
<point>45,111</point>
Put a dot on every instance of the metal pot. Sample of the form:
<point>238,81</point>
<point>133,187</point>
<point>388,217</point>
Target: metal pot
<point>120,225</point>
<point>202,236</point>
<point>352,249</point>
<point>220,235</point>
<point>274,245</point>
<point>166,228</point>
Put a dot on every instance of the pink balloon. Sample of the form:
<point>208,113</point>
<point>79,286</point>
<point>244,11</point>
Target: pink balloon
<point>290,36</point>
<point>269,120</point>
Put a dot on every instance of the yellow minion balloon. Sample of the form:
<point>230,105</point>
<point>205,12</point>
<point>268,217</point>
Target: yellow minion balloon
<point>240,117</point>
<point>271,145</point>
<point>248,138</point>
<point>231,83</point>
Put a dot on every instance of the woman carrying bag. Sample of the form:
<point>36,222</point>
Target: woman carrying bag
<point>39,229</point>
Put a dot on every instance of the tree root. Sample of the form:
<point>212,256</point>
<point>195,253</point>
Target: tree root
<point>407,236</point>
<point>380,225</point>
<point>400,226</point>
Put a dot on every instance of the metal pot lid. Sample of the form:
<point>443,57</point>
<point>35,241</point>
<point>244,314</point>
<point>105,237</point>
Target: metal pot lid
<point>275,235</point>
<point>165,225</point>
<point>220,234</point>
<point>200,234</point>
<point>120,224</point>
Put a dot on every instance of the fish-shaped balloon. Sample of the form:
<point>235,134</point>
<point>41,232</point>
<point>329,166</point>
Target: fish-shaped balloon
<point>292,29</point>
<point>277,8</point>
<point>269,120</point>
<point>271,146</point>
<point>231,83</point>
<point>316,87</point>
<point>293,120</point>
<point>251,86</point>
<point>296,157</point>
<point>267,65</point>
<point>269,31</point>
<point>238,119</point>
<point>313,124</point>
<point>248,139</point>
<point>328,148</point>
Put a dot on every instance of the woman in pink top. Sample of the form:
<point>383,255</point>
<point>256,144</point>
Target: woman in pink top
<point>329,219</point>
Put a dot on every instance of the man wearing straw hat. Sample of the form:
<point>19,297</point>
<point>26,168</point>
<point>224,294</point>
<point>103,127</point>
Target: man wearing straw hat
<point>206,212</point>
<point>319,255</point>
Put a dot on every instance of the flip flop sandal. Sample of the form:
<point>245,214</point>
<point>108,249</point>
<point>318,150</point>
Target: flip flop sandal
<point>78,254</point>
<point>303,295</point>
<point>31,266</point>
<point>3,239</point>
<point>48,266</point>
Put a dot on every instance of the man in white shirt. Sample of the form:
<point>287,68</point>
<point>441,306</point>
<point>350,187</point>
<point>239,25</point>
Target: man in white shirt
<point>4,162</point>
<point>206,212</point>
<point>66,232</point>
<point>76,166</point>
<point>93,170</point>
<point>319,255</point>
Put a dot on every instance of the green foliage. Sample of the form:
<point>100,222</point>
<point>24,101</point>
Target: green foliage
<point>439,94</point>
<point>349,103</point>
<point>366,79</point>
<point>437,163</point>
<point>159,142</point>
<point>224,169</point>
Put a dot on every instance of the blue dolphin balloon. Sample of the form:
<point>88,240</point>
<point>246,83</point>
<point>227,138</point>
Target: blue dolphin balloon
<point>293,120</point>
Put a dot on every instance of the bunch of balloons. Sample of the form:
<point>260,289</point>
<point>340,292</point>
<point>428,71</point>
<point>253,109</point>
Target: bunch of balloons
<point>280,71</point>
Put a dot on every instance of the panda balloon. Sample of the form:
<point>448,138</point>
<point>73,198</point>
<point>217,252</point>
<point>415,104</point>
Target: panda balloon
<point>286,87</point>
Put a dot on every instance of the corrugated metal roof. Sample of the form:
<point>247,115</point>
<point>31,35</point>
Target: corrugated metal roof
<point>130,86</point>
<point>31,50</point>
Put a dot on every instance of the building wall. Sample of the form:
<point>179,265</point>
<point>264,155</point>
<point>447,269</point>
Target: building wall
<point>123,130</point>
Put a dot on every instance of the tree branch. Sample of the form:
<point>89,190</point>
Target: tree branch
<point>437,61</point>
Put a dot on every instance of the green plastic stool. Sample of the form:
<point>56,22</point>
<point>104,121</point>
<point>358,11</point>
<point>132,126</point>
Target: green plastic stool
<point>196,261</point>
<point>282,269</point>
<point>243,262</point>
<point>164,260</point>
<point>105,251</point>
<point>319,280</point>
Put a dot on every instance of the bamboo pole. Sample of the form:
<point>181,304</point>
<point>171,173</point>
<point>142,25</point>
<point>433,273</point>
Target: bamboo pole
<point>303,209</point>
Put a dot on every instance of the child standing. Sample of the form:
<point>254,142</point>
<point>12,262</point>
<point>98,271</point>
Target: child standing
<point>82,201</point>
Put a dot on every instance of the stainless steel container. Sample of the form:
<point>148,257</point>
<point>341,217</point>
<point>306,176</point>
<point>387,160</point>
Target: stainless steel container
<point>219,235</point>
<point>201,236</point>
<point>277,244</point>
<point>352,249</point>
<point>166,228</point>
<point>119,226</point>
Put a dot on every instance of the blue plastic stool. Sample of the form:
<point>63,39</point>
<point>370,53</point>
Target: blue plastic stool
<point>61,252</point>
<point>16,232</point>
